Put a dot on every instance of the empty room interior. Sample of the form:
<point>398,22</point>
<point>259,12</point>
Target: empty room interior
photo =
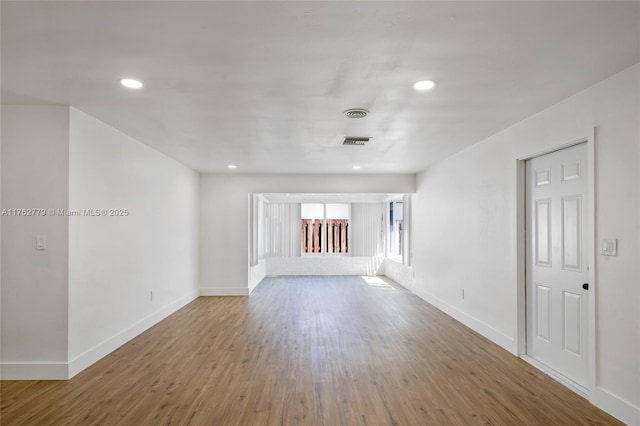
<point>320,213</point>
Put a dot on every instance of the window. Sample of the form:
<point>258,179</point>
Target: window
<point>396,232</point>
<point>337,228</point>
<point>325,228</point>
<point>311,236</point>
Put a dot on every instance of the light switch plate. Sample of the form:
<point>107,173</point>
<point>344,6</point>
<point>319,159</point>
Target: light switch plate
<point>609,247</point>
<point>41,242</point>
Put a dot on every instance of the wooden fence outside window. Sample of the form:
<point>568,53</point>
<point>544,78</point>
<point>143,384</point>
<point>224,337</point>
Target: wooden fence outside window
<point>337,235</point>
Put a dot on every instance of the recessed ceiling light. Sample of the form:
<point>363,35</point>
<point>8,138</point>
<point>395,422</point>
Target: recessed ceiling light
<point>356,167</point>
<point>131,83</point>
<point>232,166</point>
<point>424,85</point>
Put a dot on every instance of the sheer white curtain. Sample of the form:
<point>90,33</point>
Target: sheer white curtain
<point>406,252</point>
<point>367,231</point>
<point>282,229</point>
<point>256,228</point>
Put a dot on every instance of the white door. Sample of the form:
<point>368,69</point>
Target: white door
<point>556,269</point>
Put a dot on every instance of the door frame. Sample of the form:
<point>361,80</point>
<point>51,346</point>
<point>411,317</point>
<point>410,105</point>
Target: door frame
<point>590,140</point>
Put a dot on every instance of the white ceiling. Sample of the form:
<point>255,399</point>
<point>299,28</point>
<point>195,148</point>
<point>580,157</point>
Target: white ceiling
<point>263,84</point>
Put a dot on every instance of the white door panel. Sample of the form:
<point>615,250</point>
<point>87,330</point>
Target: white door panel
<point>556,261</point>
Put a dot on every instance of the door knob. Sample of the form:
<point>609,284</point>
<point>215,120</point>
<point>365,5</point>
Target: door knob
<point>585,286</point>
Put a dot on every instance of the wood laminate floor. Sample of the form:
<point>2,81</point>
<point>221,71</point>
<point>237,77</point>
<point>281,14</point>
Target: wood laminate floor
<point>304,351</point>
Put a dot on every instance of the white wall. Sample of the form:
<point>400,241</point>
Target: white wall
<point>464,229</point>
<point>400,273</point>
<point>65,307</point>
<point>324,265</point>
<point>35,159</point>
<point>116,262</point>
<point>257,273</point>
<point>224,216</point>
<point>1,246</point>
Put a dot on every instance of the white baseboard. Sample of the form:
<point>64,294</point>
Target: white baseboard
<point>64,371</point>
<point>563,380</point>
<point>101,350</point>
<point>34,371</point>
<point>224,291</point>
<point>619,408</point>
<point>623,410</point>
<point>486,330</point>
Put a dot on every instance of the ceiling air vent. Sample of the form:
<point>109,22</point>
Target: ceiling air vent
<point>355,140</point>
<point>356,113</point>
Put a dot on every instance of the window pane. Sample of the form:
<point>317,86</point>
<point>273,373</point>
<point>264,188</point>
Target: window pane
<point>312,211</point>
<point>312,215</point>
<point>396,232</point>
<point>337,211</point>
<point>320,235</point>
<point>337,228</point>
<point>397,211</point>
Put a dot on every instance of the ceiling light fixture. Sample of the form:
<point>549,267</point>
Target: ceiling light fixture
<point>232,166</point>
<point>131,83</point>
<point>424,85</point>
<point>356,167</point>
